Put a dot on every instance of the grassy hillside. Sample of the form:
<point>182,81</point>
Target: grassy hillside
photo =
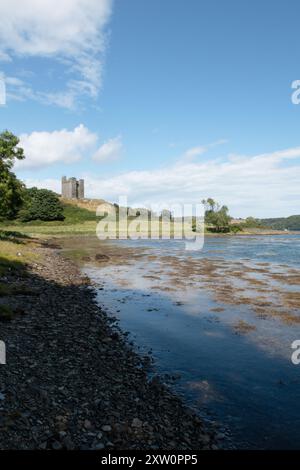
<point>282,223</point>
<point>76,215</point>
<point>80,219</point>
<point>77,220</point>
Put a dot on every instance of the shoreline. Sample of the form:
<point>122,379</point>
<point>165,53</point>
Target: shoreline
<point>72,381</point>
<point>49,230</point>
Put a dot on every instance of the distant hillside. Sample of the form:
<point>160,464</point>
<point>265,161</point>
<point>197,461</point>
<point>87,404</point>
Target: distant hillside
<point>80,210</point>
<point>283,223</point>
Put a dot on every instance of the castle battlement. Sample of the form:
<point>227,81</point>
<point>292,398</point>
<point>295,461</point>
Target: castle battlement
<point>72,188</point>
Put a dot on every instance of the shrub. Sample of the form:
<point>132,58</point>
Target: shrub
<point>235,228</point>
<point>41,204</point>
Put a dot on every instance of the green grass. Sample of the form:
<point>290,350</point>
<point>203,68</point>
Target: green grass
<point>72,213</point>
<point>13,236</point>
<point>77,215</point>
<point>8,264</point>
<point>16,250</point>
<point>78,221</point>
<point>44,231</point>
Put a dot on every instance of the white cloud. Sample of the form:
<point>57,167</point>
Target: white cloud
<point>262,185</point>
<point>110,150</point>
<point>49,183</point>
<point>43,149</point>
<point>46,148</point>
<point>70,31</point>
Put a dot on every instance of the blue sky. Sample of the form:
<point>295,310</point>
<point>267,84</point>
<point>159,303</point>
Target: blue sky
<point>162,101</point>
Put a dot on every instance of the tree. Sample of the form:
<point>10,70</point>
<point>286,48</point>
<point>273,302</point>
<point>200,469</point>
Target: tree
<point>10,187</point>
<point>216,216</point>
<point>251,222</point>
<point>41,204</point>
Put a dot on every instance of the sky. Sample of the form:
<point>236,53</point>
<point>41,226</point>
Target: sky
<point>164,102</point>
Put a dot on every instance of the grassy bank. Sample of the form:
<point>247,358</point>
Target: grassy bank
<point>16,252</point>
<point>83,221</point>
<point>79,221</point>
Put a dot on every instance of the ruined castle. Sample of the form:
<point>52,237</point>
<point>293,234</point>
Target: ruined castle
<point>72,188</point>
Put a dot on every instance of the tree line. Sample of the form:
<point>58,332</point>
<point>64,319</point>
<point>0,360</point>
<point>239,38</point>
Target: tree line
<point>15,199</point>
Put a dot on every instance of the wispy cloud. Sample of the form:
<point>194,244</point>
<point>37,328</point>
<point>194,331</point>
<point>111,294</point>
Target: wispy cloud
<point>194,152</point>
<point>109,151</point>
<point>71,32</point>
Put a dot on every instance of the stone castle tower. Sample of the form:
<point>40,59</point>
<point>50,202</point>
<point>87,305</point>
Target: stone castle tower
<point>72,188</point>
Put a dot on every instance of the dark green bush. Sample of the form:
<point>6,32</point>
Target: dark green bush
<point>41,204</point>
<point>235,228</point>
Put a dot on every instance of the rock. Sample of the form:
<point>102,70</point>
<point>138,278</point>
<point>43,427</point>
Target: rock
<point>136,423</point>
<point>74,370</point>
<point>56,445</point>
<point>99,446</point>
<point>205,438</point>
<point>87,424</point>
<point>101,257</point>
<point>106,428</point>
<point>68,443</point>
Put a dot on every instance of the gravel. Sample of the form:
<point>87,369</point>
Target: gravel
<point>73,382</point>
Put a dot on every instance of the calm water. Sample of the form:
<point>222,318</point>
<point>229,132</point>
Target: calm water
<point>243,379</point>
<point>280,249</point>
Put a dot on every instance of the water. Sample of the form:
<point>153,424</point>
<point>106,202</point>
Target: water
<point>281,249</point>
<point>221,320</point>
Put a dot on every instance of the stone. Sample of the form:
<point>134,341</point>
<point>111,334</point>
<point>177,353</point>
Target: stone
<point>56,445</point>
<point>136,423</point>
<point>85,374</point>
<point>99,446</point>
<point>68,443</point>
<point>87,424</point>
<point>106,428</point>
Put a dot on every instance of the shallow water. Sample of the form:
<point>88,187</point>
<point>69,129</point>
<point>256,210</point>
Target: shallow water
<point>222,320</point>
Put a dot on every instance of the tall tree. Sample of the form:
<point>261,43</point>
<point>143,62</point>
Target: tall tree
<point>10,187</point>
<point>216,215</point>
